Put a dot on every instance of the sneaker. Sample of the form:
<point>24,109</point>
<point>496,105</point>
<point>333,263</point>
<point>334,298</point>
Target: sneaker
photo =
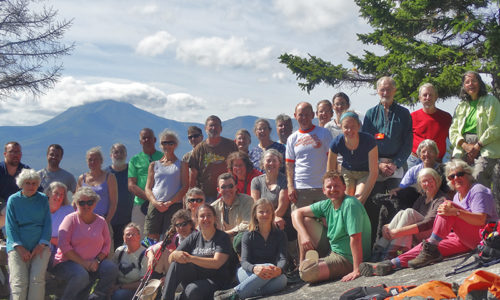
<point>428,255</point>
<point>378,269</point>
<point>229,294</point>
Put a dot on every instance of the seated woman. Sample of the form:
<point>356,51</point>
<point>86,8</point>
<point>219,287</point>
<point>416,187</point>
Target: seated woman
<point>239,164</point>
<point>263,257</point>
<point>59,208</point>
<point>412,223</point>
<point>27,225</point>
<point>201,263</point>
<point>360,157</point>
<point>456,227</point>
<point>84,244</point>
<point>193,199</point>
<point>132,263</point>
<point>182,226</point>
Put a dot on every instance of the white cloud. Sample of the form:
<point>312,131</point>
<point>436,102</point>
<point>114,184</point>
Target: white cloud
<point>243,102</point>
<point>148,9</point>
<point>315,15</point>
<point>155,44</point>
<point>72,92</point>
<point>279,75</point>
<point>217,52</point>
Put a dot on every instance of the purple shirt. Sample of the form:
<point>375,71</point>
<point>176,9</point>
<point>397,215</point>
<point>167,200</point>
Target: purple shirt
<point>479,200</point>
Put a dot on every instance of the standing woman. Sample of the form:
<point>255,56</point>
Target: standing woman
<point>28,228</point>
<point>324,112</point>
<point>475,131</point>
<point>262,130</point>
<point>166,186</point>
<point>242,139</point>
<point>201,262</point>
<point>263,257</point>
<point>101,182</point>
<point>341,104</point>
<point>360,157</point>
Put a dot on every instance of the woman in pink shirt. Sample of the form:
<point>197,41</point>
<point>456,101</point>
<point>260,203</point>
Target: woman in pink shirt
<point>84,244</point>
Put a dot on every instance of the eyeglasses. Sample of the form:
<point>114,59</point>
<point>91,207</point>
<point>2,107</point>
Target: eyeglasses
<point>458,174</point>
<point>179,225</point>
<point>193,200</point>
<point>170,143</point>
<point>194,136</point>
<point>131,234</point>
<point>227,186</point>
<point>88,202</point>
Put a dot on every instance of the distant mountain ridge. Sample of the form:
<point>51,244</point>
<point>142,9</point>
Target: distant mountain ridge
<point>103,123</point>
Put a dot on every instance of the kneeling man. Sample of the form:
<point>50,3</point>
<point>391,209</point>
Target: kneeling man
<point>345,241</point>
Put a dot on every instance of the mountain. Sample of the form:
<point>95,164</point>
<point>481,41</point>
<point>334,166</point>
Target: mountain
<point>103,123</point>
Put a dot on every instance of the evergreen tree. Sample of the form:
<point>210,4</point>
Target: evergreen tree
<point>424,40</point>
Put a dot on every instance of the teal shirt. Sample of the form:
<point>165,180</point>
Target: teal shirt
<point>138,168</point>
<point>28,221</point>
<point>350,218</point>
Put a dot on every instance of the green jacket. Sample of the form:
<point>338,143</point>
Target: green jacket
<point>488,126</point>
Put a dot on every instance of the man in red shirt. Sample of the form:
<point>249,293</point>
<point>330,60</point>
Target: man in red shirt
<point>429,122</point>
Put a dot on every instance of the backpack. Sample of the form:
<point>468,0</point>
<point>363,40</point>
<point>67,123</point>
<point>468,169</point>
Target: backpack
<point>487,252</point>
<point>480,285</point>
<point>428,291</point>
<point>378,292</point>
<point>141,256</point>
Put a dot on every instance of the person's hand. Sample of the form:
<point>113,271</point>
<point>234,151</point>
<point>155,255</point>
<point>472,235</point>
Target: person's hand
<point>351,276</point>
<point>264,272</point>
<point>180,257</point>
<point>38,250</point>
<point>25,254</point>
<point>447,209</point>
<point>292,194</point>
<point>386,232</point>
<point>280,222</point>
<point>467,147</point>
<point>306,244</point>
<point>94,265</point>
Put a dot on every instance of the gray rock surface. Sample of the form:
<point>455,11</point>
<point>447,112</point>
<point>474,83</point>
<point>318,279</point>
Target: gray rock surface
<point>333,290</point>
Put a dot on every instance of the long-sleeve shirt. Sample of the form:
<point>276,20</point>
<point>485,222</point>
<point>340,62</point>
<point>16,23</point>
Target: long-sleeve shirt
<point>396,128</point>
<point>28,222</point>
<point>256,250</point>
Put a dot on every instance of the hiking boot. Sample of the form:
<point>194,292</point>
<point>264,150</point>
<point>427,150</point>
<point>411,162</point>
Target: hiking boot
<point>229,294</point>
<point>309,269</point>
<point>428,255</point>
<point>293,277</point>
<point>378,269</point>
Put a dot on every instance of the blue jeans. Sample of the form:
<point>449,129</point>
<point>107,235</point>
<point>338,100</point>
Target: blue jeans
<point>79,280</point>
<point>252,285</point>
<point>122,294</point>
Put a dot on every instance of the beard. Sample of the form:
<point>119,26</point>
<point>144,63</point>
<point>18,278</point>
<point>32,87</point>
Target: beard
<point>119,162</point>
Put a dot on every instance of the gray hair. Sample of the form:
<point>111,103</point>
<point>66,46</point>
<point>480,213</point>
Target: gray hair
<point>245,132</point>
<point>87,192</point>
<point>193,191</point>
<point>428,143</point>
<point>170,133</point>
<point>386,78</point>
<point>262,120</point>
<point>271,152</point>
<point>118,145</point>
<point>428,171</point>
<point>55,185</point>
<point>27,174</point>
<point>95,150</point>
<point>427,85</point>
<point>132,225</point>
<point>455,164</point>
<point>283,118</point>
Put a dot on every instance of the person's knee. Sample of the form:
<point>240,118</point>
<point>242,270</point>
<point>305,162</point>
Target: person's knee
<point>194,292</point>
<point>108,268</point>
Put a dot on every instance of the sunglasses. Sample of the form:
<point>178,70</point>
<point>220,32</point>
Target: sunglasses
<point>170,143</point>
<point>458,174</point>
<point>227,186</point>
<point>194,136</point>
<point>179,225</point>
<point>193,200</point>
<point>88,203</point>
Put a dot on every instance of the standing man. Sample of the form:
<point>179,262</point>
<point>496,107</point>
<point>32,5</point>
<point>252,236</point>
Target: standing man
<point>284,127</point>
<point>53,172</point>
<point>391,125</point>
<point>429,122</point>
<point>138,175</point>
<point>123,213</point>
<point>195,136</point>
<point>345,241</point>
<point>306,158</point>
<point>208,160</point>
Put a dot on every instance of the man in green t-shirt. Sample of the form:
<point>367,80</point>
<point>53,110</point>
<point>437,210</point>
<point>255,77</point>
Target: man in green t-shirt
<point>138,174</point>
<point>345,241</point>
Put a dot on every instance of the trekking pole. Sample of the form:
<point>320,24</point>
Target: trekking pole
<point>145,279</point>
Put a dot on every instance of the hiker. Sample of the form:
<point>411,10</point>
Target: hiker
<point>193,199</point>
<point>472,207</point>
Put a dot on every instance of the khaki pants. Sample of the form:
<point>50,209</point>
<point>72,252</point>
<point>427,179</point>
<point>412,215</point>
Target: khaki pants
<point>27,279</point>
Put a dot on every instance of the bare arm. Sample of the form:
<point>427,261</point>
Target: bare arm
<point>448,208</point>
<point>79,182</point>
<point>148,189</point>
<point>135,189</point>
<point>113,196</point>
<point>283,203</point>
<point>298,222</point>
<point>255,195</point>
<point>290,177</point>
<point>357,257</point>
<point>372,176</point>
<point>331,165</point>
<point>209,262</point>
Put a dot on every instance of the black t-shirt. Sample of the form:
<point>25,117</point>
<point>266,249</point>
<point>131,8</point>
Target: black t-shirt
<point>195,245</point>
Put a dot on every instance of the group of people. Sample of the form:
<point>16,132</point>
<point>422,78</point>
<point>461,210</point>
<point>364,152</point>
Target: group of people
<point>230,222</point>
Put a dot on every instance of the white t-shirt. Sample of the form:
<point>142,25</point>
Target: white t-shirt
<point>309,151</point>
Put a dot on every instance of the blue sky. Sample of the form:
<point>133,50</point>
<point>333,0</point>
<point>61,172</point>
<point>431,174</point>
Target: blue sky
<point>187,59</point>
